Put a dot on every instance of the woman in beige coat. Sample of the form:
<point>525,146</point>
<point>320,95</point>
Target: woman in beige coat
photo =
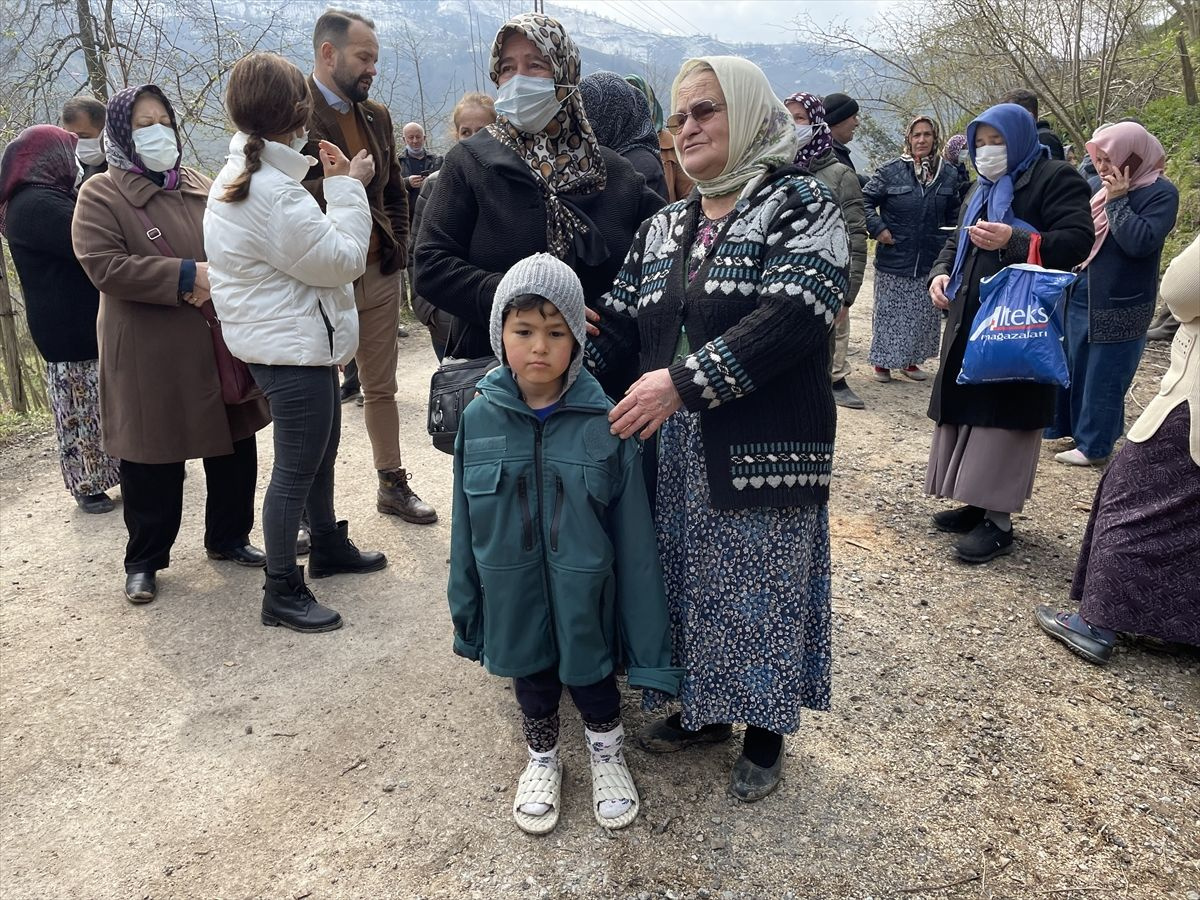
<point>160,394</point>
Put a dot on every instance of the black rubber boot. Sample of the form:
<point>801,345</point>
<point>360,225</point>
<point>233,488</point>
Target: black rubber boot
<point>288,602</point>
<point>335,553</point>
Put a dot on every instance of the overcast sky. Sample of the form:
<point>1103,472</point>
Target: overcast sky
<point>764,21</point>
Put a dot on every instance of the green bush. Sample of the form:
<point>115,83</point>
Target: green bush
<point>1177,126</point>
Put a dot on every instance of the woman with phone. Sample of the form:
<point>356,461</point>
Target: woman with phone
<point>1111,305</point>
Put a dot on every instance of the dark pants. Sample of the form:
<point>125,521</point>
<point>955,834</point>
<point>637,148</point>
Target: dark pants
<point>307,413</point>
<point>538,695</point>
<point>153,500</point>
<point>1092,409</point>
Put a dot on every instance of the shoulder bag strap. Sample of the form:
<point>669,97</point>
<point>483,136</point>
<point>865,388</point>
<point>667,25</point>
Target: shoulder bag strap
<point>153,232</point>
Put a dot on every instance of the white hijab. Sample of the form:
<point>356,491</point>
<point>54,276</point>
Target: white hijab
<point>761,133</point>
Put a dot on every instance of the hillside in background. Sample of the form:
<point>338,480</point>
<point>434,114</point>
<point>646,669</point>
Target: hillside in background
<point>449,42</point>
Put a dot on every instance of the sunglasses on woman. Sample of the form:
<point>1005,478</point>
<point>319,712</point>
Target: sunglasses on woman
<point>701,111</point>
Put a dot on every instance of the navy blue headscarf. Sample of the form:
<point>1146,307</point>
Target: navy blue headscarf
<point>1021,140</point>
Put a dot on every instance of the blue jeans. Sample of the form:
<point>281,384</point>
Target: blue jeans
<point>307,413</point>
<point>1092,409</point>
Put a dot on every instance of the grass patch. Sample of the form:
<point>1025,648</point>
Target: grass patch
<point>15,426</point>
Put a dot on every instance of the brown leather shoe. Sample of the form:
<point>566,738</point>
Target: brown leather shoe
<point>396,498</point>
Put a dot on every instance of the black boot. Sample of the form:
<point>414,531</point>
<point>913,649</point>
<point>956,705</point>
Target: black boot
<point>335,553</point>
<point>288,602</point>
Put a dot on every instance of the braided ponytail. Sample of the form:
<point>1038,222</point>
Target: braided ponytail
<point>266,96</point>
<point>239,189</point>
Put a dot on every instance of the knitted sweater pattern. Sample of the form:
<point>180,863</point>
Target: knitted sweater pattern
<point>756,319</point>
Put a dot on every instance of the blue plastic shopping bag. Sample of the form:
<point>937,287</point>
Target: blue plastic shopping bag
<point>1017,334</point>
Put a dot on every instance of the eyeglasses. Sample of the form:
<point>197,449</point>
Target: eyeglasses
<point>701,111</point>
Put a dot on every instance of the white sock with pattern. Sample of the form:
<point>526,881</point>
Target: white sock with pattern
<point>550,760</point>
<point>606,747</point>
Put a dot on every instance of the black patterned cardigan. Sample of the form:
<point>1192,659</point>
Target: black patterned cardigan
<point>758,313</point>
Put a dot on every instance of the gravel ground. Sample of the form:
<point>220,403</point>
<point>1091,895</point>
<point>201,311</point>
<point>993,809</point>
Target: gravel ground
<point>182,750</point>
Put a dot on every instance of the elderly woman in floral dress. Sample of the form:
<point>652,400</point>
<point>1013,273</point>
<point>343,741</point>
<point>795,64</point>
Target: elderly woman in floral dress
<point>727,300</point>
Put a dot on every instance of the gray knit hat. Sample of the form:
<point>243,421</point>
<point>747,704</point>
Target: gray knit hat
<point>545,276</point>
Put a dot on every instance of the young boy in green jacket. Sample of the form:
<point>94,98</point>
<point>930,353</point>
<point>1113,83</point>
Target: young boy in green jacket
<point>554,569</point>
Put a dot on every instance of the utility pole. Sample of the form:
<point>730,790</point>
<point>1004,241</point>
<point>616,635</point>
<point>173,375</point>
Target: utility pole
<point>539,6</point>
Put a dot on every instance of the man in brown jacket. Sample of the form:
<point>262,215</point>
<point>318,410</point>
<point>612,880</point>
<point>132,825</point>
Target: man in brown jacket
<point>346,51</point>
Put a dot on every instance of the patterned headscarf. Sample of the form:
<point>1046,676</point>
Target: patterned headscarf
<point>42,155</point>
<point>1119,142</point>
<point>565,154</point>
<point>618,112</point>
<point>761,133</point>
<point>927,167</point>
<point>822,140</point>
<point>656,110</point>
<point>954,148</point>
<point>118,134</point>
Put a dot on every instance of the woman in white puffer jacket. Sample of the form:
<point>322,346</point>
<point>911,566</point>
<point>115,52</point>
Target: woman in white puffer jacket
<point>281,272</point>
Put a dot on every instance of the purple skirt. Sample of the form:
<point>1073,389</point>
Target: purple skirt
<point>1139,567</point>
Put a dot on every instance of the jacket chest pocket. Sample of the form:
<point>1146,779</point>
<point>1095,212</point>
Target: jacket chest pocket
<point>495,519</point>
<point>577,507</point>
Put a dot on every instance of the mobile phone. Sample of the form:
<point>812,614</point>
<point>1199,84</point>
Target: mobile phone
<point>1133,162</point>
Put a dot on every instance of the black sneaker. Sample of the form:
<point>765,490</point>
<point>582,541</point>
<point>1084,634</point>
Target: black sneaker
<point>960,520</point>
<point>1091,646</point>
<point>986,541</point>
<point>668,736</point>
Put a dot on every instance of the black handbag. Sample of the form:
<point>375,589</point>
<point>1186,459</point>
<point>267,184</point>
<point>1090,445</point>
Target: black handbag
<point>451,388</point>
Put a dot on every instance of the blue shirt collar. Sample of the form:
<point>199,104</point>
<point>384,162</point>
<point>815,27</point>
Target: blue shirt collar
<point>335,102</point>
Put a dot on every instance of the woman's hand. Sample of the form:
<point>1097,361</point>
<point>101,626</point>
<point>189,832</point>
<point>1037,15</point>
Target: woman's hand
<point>1117,183</point>
<point>842,316</point>
<point>200,293</point>
<point>333,159</point>
<point>937,291</point>
<point>592,318</point>
<point>885,237</point>
<point>990,235</point>
<point>362,167</point>
<point>646,405</point>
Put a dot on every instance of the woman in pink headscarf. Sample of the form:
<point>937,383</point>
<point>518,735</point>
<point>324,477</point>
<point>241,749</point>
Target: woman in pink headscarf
<point>1110,306</point>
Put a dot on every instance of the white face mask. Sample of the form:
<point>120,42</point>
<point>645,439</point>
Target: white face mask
<point>90,151</point>
<point>158,147</point>
<point>528,102</point>
<point>991,161</point>
<point>299,143</point>
<point>804,134</point>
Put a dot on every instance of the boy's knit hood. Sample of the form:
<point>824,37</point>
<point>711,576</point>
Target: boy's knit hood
<point>545,276</point>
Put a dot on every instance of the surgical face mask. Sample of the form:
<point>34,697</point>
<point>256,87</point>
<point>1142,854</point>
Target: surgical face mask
<point>528,102</point>
<point>804,134</point>
<point>991,161</point>
<point>299,143</point>
<point>90,151</point>
<point>157,146</point>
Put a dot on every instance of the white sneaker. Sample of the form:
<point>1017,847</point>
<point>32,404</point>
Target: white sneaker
<point>1075,457</point>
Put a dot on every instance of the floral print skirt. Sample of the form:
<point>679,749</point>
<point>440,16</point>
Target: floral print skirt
<point>748,592</point>
<point>74,391</point>
<point>906,327</point>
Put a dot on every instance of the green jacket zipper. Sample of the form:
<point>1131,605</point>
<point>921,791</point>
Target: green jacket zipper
<point>526,515</point>
<point>558,508</point>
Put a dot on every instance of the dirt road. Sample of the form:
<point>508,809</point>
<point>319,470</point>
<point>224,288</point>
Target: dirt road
<point>183,750</point>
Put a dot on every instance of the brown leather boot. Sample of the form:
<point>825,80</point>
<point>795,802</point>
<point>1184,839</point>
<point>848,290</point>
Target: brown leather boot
<point>396,498</point>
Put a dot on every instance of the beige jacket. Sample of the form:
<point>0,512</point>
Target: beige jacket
<point>1180,287</point>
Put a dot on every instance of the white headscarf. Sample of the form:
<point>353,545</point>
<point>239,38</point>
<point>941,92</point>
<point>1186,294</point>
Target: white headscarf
<point>762,135</point>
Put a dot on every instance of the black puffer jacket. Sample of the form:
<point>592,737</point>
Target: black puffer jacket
<point>487,212</point>
<point>1053,198</point>
<point>897,202</point>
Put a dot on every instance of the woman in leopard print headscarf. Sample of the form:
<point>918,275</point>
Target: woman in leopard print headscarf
<point>535,181</point>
